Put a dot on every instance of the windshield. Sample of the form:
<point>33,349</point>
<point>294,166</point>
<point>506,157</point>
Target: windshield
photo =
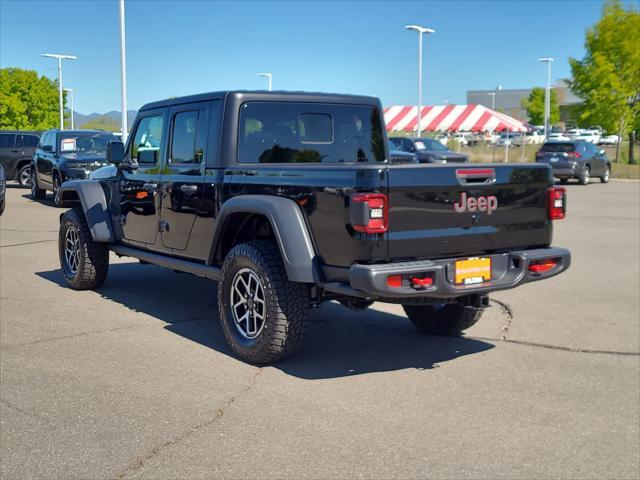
<point>394,144</point>
<point>89,143</point>
<point>433,145</point>
<point>558,147</point>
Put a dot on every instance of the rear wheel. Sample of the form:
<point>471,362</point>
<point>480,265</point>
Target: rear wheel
<point>84,263</point>
<point>585,176</point>
<point>24,176</point>
<point>564,181</point>
<point>607,175</point>
<point>262,313</point>
<point>37,193</point>
<point>447,319</point>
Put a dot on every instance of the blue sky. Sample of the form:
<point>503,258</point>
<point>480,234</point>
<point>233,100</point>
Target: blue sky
<point>182,47</point>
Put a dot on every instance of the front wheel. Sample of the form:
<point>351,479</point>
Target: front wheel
<point>84,263</point>
<point>57,194</point>
<point>607,175</point>
<point>448,319</point>
<point>262,313</point>
<point>37,193</point>
<point>24,176</point>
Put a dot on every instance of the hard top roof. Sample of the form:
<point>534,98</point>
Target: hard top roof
<point>263,95</point>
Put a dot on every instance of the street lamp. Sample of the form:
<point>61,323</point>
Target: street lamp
<point>493,108</point>
<point>70,91</point>
<point>421,31</point>
<point>269,76</point>
<point>60,58</point>
<point>547,96</point>
<point>123,73</point>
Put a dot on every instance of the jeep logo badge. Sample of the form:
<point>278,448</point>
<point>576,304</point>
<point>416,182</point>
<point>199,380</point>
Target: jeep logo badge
<point>476,204</point>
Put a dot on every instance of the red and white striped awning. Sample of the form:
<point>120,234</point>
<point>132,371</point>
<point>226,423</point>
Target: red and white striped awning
<point>450,118</point>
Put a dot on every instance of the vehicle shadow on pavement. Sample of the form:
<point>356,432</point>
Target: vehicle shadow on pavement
<point>47,200</point>
<point>339,342</point>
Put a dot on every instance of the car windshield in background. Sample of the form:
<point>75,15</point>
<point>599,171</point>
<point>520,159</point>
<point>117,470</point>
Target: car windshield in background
<point>433,145</point>
<point>88,143</point>
<point>282,132</point>
<point>558,147</point>
<point>394,144</point>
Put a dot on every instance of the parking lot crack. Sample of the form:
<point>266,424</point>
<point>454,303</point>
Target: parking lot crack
<point>10,405</point>
<point>28,243</point>
<point>508,313</point>
<point>219,412</point>
<point>572,349</point>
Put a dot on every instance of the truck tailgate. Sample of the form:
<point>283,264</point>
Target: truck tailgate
<point>438,211</point>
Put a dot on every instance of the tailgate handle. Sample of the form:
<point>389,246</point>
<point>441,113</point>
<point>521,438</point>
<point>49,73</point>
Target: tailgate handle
<point>476,176</point>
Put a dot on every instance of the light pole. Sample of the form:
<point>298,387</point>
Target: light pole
<point>123,72</point>
<point>421,31</point>
<point>269,77</point>
<point>547,96</point>
<point>60,58</point>
<point>493,108</point>
<point>70,91</point>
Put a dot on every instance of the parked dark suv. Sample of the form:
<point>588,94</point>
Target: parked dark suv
<point>575,159</point>
<point>428,150</point>
<point>67,155</point>
<point>16,150</point>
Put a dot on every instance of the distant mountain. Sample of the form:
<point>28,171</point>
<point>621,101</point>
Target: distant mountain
<point>105,119</point>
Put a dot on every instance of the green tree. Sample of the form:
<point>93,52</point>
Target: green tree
<point>608,77</point>
<point>534,104</point>
<point>27,102</point>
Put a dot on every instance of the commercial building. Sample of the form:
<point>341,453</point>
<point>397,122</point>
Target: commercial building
<point>509,101</point>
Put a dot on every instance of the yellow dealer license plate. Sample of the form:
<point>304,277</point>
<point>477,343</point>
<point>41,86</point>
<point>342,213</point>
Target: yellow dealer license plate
<point>472,270</point>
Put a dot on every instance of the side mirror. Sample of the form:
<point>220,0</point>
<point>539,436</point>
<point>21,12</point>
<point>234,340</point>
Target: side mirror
<point>601,152</point>
<point>47,148</point>
<point>115,152</point>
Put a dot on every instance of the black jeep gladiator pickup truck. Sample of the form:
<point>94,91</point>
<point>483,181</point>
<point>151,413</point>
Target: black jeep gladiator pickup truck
<point>288,199</point>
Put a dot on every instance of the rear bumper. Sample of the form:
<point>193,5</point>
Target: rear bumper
<point>509,270</point>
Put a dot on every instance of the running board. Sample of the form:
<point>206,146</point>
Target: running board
<point>194,268</point>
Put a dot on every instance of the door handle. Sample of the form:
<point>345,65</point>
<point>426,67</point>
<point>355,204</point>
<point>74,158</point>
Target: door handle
<point>189,189</point>
<point>150,186</point>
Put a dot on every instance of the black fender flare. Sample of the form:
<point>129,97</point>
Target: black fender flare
<point>94,205</point>
<point>289,227</point>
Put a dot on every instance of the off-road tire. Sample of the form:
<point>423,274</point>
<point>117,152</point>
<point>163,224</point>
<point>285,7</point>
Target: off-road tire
<point>607,175</point>
<point>37,193</point>
<point>448,319</point>
<point>93,262</point>
<point>585,176</point>
<point>286,304</point>
<point>22,174</point>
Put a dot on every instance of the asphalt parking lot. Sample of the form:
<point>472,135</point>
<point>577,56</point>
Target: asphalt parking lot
<point>135,380</point>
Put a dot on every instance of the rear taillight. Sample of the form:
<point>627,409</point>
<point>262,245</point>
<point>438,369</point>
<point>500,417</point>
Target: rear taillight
<point>557,203</point>
<point>574,154</point>
<point>542,266</point>
<point>369,212</point>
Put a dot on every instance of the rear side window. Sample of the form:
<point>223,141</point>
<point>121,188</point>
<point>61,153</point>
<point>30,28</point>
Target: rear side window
<point>147,142</point>
<point>7,140</point>
<point>187,145</point>
<point>29,141</point>
<point>558,147</point>
<point>287,132</point>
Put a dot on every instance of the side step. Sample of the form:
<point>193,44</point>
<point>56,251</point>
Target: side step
<point>194,268</point>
